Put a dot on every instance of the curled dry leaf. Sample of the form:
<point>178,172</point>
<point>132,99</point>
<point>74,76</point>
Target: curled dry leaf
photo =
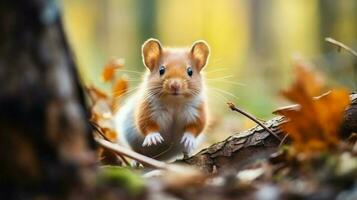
<point>104,106</point>
<point>101,110</point>
<point>119,88</point>
<point>110,68</point>
<point>314,123</point>
<point>102,118</point>
<point>95,94</point>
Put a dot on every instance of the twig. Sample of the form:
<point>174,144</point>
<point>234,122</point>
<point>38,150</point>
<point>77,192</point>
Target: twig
<point>341,45</point>
<point>98,130</point>
<point>124,159</point>
<point>131,154</point>
<point>283,140</point>
<point>163,152</point>
<point>234,108</point>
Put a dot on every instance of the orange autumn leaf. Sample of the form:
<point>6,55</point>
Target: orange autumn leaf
<point>103,107</point>
<point>102,112</point>
<point>95,94</point>
<point>110,68</point>
<point>106,127</point>
<point>119,89</point>
<point>314,123</point>
<point>110,134</point>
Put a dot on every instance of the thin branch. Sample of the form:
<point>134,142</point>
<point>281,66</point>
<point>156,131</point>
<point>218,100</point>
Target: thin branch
<point>283,140</point>
<point>123,159</point>
<point>234,108</point>
<point>98,130</point>
<point>340,45</point>
<point>131,154</point>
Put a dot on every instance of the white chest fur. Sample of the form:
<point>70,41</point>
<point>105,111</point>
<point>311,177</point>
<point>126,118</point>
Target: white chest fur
<point>174,116</point>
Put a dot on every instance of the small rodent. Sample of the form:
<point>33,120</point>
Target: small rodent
<point>166,114</point>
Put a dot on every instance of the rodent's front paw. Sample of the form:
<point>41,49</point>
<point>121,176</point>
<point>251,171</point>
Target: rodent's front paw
<point>153,138</point>
<point>189,141</point>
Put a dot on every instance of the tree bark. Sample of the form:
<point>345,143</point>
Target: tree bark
<point>245,148</point>
<point>240,149</point>
<point>45,137</point>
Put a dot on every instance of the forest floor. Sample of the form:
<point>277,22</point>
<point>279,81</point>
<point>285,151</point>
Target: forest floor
<point>307,152</point>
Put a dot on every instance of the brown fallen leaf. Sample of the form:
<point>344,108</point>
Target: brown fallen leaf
<point>104,106</point>
<point>119,88</point>
<point>96,94</point>
<point>110,68</point>
<point>102,119</point>
<point>314,123</point>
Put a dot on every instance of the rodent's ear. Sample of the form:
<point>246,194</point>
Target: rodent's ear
<point>151,51</point>
<point>200,52</point>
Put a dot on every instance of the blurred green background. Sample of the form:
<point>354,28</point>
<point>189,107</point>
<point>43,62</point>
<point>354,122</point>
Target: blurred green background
<point>252,44</point>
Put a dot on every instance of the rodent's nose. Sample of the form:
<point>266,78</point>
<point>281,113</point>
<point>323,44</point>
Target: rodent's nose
<point>175,86</point>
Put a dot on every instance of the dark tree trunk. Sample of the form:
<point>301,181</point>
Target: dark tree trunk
<point>45,141</point>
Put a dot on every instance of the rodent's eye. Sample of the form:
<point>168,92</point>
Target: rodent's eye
<point>189,71</point>
<point>162,70</point>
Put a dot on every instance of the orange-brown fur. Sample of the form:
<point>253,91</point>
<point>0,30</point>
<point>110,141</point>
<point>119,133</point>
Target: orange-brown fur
<point>143,120</point>
<point>197,127</point>
<point>175,60</point>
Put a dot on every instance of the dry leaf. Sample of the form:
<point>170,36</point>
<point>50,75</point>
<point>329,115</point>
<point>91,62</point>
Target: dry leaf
<point>314,123</point>
<point>96,94</point>
<point>110,134</point>
<point>104,106</point>
<point>110,68</point>
<point>119,88</point>
<point>102,109</point>
<point>308,82</point>
<point>102,117</point>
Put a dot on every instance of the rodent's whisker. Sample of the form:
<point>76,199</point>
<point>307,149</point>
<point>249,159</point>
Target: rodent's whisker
<point>216,61</point>
<point>230,82</point>
<point>147,96</point>
<point>215,70</point>
<point>221,98</point>
<point>194,93</point>
<point>131,71</point>
<point>152,90</point>
<point>150,94</point>
<point>224,92</point>
<point>219,78</point>
<point>154,87</point>
<point>126,92</point>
